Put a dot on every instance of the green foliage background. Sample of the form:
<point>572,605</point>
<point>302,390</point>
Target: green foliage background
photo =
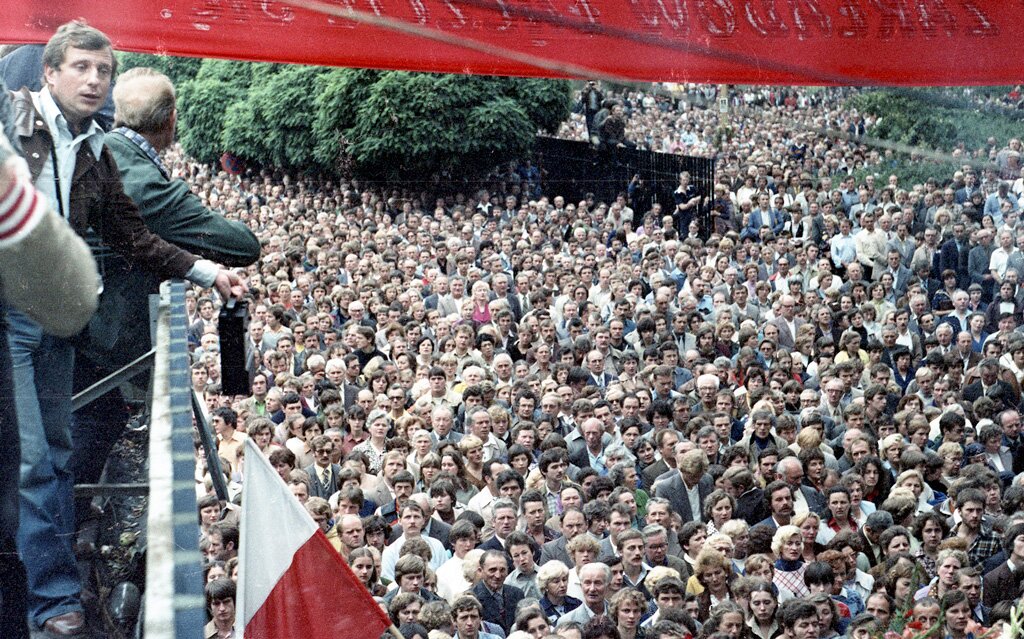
<point>390,123</point>
<point>937,120</point>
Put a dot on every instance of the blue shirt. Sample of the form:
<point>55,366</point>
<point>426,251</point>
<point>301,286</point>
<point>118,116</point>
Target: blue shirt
<point>843,251</point>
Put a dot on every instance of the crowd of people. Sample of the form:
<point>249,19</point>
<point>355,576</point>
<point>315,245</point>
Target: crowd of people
<point>513,413</point>
<point>516,414</point>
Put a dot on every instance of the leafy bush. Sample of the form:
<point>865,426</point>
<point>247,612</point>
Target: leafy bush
<point>933,119</point>
<point>179,70</point>
<point>390,123</point>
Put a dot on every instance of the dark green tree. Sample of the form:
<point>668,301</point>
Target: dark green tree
<point>413,123</point>
<point>204,101</point>
<point>339,92</point>
<point>390,124</point>
<point>179,70</point>
<point>275,124</point>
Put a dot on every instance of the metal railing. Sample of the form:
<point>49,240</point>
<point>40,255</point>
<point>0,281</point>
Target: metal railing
<point>174,604</point>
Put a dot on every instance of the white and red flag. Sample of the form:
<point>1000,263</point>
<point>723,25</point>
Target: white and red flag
<point>292,582</point>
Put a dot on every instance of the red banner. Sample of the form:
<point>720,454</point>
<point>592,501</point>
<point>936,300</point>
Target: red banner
<point>905,42</point>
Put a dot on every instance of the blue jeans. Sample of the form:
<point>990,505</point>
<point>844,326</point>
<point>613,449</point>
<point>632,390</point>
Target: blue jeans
<point>42,367</point>
<point>13,611</point>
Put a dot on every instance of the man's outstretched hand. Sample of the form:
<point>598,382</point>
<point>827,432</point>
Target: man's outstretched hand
<point>229,285</point>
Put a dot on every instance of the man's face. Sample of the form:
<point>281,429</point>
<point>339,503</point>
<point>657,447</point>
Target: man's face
<point>618,523</point>
<point>467,623</point>
<point>971,513</point>
<point>878,607</point>
<point>592,434</point>
<point>573,524</point>
<point>804,628</point>
<point>657,514</point>
<point>534,514</point>
<point>555,472</point>
<point>594,586</point>
<point>495,570</point>
<point>81,83</point>
<point>1010,421</point>
<point>411,582</point>
<point>927,615</point>
<point>782,502</point>
<point>971,585</point>
<point>504,522</point>
<point>352,533</point>
<point>412,521</point>
<point>223,610</point>
<point>216,548</point>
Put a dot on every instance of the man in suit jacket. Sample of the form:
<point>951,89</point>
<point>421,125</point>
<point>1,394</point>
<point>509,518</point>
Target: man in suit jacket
<point>1003,583</point>
<point>687,489</point>
<point>991,386</point>
<point>791,470</point>
<point>440,288</point>
<point>599,576</point>
<point>665,441</point>
<point>502,290</point>
<point>750,505</point>
<point>598,377</point>
<point>787,322</point>
<point>498,599</point>
<point>899,271</point>
<point>591,454</point>
<point>556,550</point>
<point>323,475</point>
<point>953,254</point>
<point>433,528</point>
<point>573,523</point>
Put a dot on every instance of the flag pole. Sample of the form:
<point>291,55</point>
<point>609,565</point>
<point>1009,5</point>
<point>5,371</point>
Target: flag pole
<point>394,630</point>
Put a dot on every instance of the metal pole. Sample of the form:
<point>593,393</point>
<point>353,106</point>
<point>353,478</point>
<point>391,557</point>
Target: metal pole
<point>210,444</point>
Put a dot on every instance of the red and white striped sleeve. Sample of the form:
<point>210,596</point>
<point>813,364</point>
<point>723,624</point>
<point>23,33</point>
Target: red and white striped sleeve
<point>21,210</point>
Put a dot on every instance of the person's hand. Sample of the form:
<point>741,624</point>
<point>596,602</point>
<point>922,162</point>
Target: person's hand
<point>229,285</point>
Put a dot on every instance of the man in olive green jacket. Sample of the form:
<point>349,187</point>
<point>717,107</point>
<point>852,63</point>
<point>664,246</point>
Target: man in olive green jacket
<point>145,120</point>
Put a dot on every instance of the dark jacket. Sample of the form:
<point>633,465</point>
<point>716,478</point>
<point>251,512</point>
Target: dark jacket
<point>750,506</point>
<point>1000,392</point>
<point>673,490</point>
<point>502,613</point>
<point>1001,585</point>
<point>98,199</point>
<point>316,487</point>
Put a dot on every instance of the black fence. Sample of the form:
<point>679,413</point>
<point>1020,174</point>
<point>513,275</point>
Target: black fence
<point>574,169</point>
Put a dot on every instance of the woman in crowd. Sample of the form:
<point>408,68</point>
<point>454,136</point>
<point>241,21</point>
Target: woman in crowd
<point>363,564</point>
<point>714,572</point>
<point>875,477</point>
<point>374,447</point>
<point>930,529</point>
<point>454,468</point>
<point>626,608</point>
<point>809,524</point>
<point>582,549</point>
<point>472,449</point>
<point>553,583</point>
<point>718,509</point>
<point>828,615</point>
<point>947,567</point>
<point>763,604</point>
<point>788,546</point>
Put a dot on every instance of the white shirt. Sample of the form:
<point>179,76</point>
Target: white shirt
<point>438,555</point>
<point>66,147</point>
<point>693,494</point>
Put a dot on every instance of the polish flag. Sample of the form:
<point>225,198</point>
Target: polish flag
<point>292,582</point>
